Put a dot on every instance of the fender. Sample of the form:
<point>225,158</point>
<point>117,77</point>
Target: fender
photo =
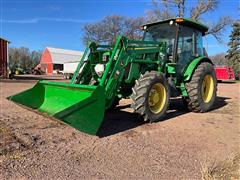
<point>193,65</point>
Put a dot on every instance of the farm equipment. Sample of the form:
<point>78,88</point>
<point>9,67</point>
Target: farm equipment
<point>169,60</point>
<point>224,73</point>
<point>69,69</point>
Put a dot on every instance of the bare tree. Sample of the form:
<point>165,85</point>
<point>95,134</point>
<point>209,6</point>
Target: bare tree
<point>217,29</point>
<point>23,58</point>
<point>219,59</point>
<point>35,57</point>
<point>14,58</point>
<point>181,7</point>
<point>162,9</point>
<point>203,7</point>
<point>132,28</point>
<point>107,30</point>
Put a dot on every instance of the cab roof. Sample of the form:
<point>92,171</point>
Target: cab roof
<point>186,22</point>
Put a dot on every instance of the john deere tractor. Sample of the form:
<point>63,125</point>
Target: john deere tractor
<point>170,60</point>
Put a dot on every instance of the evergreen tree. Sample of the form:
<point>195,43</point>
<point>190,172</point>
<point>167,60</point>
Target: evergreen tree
<point>233,53</point>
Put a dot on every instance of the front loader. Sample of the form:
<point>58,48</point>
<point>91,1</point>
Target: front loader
<point>169,61</point>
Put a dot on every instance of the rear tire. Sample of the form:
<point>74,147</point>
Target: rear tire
<point>151,96</point>
<point>202,88</point>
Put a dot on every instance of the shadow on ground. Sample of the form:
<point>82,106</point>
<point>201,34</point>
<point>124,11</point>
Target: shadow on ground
<point>220,102</point>
<point>228,81</point>
<point>117,120</point>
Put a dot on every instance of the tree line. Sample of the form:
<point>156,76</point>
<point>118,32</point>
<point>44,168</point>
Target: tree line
<point>232,57</point>
<point>23,58</point>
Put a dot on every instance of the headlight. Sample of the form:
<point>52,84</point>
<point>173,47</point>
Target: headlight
<point>99,69</point>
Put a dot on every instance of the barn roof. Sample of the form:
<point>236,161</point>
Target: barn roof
<point>60,56</point>
<point>5,39</point>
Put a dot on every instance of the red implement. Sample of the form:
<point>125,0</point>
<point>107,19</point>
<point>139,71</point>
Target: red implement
<point>224,73</point>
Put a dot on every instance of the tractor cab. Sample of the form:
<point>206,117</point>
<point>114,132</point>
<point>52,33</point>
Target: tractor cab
<point>182,36</point>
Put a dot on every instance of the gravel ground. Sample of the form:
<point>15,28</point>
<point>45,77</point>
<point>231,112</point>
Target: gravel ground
<point>33,146</point>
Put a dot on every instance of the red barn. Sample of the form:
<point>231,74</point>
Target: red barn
<point>3,57</point>
<point>52,59</point>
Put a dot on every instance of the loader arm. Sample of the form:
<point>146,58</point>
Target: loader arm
<point>124,53</point>
<point>82,102</point>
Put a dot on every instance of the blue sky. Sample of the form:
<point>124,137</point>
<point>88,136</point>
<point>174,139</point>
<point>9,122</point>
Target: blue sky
<point>58,23</point>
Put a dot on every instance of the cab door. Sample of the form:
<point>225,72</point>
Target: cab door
<point>189,46</point>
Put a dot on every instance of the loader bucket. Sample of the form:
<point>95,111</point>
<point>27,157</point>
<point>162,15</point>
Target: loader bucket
<point>80,106</point>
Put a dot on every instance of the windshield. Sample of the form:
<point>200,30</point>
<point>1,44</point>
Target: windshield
<point>162,33</point>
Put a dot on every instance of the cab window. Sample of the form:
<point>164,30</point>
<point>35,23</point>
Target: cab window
<point>190,45</point>
<point>199,44</point>
<point>162,33</point>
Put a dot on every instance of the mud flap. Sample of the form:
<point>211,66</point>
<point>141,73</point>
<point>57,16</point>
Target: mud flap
<point>80,106</point>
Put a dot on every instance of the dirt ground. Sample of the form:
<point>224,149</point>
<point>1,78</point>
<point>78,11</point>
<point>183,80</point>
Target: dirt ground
<point>36,147</point>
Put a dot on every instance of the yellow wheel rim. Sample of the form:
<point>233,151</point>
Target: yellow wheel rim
<point>207,88</point>
<point>157,98</point>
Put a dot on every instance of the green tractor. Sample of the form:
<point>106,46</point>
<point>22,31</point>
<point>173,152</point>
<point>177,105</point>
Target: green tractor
<point>170,60</point>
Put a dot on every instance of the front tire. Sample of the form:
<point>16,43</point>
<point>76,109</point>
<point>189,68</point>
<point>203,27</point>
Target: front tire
<point>151,96</point>
<point>202,88</point>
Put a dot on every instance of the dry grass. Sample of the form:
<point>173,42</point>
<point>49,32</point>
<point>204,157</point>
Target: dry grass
<point>227,169</point>
<point>10,144</point>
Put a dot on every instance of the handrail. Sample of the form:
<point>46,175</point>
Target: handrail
<point>143,42</point>
<point>80,63</point>
<point>104,77</point>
